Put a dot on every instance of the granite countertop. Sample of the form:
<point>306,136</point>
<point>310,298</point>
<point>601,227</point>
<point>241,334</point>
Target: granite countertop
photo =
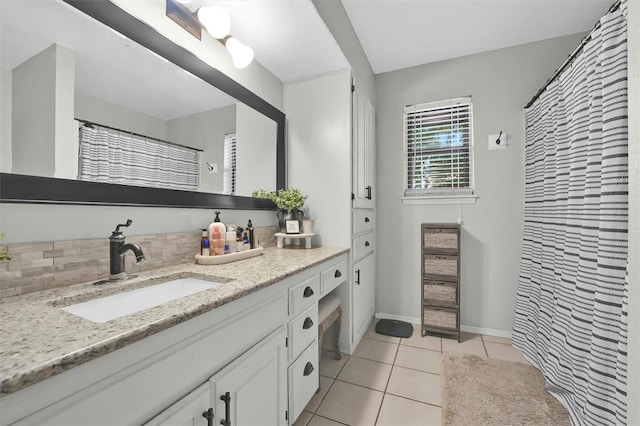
<point>38,340</point>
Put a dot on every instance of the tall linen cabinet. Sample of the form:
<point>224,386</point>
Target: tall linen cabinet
<point>331,159</point>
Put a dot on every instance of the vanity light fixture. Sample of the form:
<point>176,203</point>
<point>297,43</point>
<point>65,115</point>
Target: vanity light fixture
<point>216,20</point>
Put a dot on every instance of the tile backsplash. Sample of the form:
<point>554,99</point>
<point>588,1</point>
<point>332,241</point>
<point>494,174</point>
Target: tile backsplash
<point>40,266</point>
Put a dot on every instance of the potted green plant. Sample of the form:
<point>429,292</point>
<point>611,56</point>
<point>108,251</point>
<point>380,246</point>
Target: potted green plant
<point>4,254</point>
<point>289,201</point>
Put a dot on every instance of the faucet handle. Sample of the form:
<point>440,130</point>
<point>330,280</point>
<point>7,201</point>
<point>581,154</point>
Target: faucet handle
<point>129,222</point>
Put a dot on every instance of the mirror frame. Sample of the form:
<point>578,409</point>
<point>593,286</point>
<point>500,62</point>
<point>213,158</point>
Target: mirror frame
<point>15,188</point>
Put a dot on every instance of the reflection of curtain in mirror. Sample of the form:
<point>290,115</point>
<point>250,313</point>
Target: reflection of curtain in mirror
<point>112,156</point>
<point>229,177</point>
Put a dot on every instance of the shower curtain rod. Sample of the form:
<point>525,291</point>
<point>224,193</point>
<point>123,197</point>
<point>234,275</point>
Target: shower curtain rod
<point>90,123</point>
<point>571,57</point>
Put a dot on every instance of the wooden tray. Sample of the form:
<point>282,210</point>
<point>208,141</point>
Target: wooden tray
<point>226,258</point>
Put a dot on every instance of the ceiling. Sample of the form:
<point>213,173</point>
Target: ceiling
<point>398,34</point>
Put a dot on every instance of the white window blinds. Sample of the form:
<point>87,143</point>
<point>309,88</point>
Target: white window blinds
<point>229,177</point>
<point>438,144</point>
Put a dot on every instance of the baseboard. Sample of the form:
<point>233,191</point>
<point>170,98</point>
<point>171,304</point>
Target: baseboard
<point>486,331</point>
<point>412,320</point>
<point>468,328</point>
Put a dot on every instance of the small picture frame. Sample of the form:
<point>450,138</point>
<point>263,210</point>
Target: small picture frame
<point>293,226</point>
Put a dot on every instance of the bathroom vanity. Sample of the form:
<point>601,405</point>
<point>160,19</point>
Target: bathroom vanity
<point>243,352</point>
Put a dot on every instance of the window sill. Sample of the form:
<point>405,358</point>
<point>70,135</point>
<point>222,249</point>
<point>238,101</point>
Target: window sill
<point>439,199</point>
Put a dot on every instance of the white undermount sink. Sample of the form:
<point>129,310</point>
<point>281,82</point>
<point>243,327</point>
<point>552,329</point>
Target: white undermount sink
<point>118,305</point>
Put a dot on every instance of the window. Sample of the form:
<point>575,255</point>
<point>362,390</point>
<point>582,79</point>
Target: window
<point>229,176</point>
<point>438,143</point>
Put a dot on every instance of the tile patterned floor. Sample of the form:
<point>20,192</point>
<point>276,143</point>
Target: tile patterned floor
<point>392,381</point>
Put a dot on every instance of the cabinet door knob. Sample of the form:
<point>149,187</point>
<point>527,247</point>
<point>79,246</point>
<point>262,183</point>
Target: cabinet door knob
<point>209,416</point>
<point>366,220</point>
<point>366,244</point>
<point>308,292</point>
<point>338,274</point>
<point>308,323</point>
<point>308,369</point>
<point>227,409</point>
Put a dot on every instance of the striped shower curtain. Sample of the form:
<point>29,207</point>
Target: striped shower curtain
<point>571,304</point>
<point>112,156</point>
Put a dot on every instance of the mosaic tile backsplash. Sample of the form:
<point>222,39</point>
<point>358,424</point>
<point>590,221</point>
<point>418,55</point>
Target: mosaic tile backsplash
<point>40,266</point>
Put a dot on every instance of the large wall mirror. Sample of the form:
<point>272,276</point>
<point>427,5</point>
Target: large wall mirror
<point>102,109</point>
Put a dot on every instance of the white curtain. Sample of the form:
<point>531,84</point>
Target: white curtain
<point>113,156</point>
<point>571,305</point>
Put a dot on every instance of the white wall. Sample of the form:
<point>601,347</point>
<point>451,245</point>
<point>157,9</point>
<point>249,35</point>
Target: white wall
<point>500,83</point>
<point>33,120</point>
<point>335,17</point>
<point>206,131</point>
<point>319,153</point>
<point>66,130</point>
<point>108,114</point>
<point>5,120</point>
<point>633,346</point>
<point>255,151</point>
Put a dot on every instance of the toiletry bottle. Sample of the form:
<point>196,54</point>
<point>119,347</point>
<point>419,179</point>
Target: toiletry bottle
<point>206,251</point>
<point>205,238</point>
<point>250,232</point>
<point>245,242</point>
<point>230,239</point>
<point>217,224</point>
<point>217,242</point>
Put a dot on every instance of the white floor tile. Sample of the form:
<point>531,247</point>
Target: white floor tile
<point>418,359</point>
<point>401,411</point>
<point>417,385</point>
<point>351,404</point>
<point>504,352</point>
<point>367,373</point>
<point>376,350</point>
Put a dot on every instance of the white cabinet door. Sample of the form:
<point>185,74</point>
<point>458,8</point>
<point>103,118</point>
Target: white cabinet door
<point>194,409</point>
<point>363,294</point>
<point>363,128</point>
<point>252,390</point>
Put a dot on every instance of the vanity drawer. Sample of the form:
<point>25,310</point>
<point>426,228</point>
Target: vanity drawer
<point>303,330</point>
<point>303,295</point>
<point>303,380</point>
<point>362,220</point>
<point>332,277</point>
<point>362,246</point>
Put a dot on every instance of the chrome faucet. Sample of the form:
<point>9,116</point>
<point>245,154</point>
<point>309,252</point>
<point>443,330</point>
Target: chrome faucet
<point>117,250</point>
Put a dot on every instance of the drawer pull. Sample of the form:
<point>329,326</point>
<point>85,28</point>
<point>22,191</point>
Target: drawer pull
<point>366,244</point>
<point>366,220</point>
<point>368,189</point>
<point>308,323</point>
<point>338,274</point>
<point>227,409</point>
<point>308,369</point>
<point>308,292</point>
<point>209,416</point>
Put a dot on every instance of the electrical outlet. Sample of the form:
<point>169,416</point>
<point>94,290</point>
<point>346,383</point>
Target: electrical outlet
<point>497,141</point>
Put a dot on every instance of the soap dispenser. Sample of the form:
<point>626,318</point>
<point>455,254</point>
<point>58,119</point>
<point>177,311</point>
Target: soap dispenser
<point>217,224</point>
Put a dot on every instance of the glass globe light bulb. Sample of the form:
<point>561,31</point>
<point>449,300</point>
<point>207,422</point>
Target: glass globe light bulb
<point>240,54</point>
<point>216,20</point>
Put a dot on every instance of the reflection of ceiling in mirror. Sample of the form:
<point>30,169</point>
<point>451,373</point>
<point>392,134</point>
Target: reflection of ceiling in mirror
<point>103,60</point>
